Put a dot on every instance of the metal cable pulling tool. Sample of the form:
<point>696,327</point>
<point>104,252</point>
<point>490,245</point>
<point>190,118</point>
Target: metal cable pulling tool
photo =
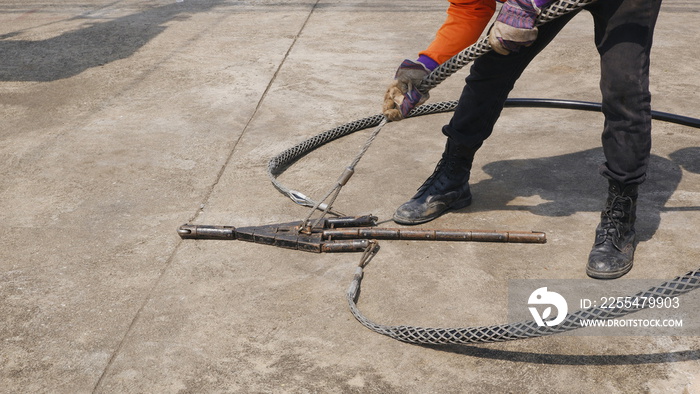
<point>346,234</point>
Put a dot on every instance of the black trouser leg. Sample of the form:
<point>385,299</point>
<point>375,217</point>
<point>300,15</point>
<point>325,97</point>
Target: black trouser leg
<point>623,34</point>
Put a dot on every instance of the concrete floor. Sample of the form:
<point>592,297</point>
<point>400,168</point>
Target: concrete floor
<point>122,120</point>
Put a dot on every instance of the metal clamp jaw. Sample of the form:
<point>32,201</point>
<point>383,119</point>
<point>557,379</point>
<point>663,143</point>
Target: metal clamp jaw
<point>290,235</point>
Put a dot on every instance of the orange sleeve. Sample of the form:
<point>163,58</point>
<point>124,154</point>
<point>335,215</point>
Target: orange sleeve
<point>466,20</point>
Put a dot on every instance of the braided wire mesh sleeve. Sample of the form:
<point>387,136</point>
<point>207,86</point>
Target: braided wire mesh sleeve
<point>512,331</point>
<point>280,162</point>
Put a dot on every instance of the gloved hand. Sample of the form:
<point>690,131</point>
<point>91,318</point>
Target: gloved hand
<point>403,95</point>
<point>515,25</point>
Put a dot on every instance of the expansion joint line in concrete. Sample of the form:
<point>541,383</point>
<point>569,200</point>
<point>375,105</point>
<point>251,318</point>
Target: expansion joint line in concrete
<point>168,262</point>
<point>255,111</point>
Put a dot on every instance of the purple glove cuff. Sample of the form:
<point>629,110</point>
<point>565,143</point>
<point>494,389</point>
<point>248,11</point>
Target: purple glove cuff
<point>429,63</point>
<point>542,3</point>
<point>408,65</point>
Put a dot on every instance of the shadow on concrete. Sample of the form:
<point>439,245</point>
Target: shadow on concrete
<point>566,359</point>
<point>564,185</point>
<point>688,158</point>
<point>97,44</point>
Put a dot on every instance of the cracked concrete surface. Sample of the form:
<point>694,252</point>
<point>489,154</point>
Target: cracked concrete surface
<point>122,120</point>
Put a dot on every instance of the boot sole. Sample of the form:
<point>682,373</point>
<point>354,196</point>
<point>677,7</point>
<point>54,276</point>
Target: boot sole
<point>455,206</point>
<point>607,275</point>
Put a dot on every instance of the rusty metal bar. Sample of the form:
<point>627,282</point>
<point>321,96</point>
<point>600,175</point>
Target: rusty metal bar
<point>435,235</point>
<point>191,231</point>
<point>352,245</point>
<point>351,221</point>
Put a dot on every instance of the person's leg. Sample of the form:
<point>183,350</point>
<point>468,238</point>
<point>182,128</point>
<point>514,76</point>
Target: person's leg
<point>624,34</point>
<point>491,78</point>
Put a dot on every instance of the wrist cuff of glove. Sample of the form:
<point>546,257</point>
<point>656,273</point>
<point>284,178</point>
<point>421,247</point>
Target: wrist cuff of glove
<point>429,63</point>
<point>542,3</point>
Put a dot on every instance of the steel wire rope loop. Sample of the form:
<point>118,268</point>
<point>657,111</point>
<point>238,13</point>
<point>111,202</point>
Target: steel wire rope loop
<point>485,334</point>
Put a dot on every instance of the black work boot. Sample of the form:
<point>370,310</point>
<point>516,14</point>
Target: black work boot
<point>447,188</point>
<point>613,252</point>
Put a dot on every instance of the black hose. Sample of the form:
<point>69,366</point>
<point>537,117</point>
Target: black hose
<point>595,107</point>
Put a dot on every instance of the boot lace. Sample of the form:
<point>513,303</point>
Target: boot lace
<point>431,179</point>
<point>614,215</point>
<point>446,167</point>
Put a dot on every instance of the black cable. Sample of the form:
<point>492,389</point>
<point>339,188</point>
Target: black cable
<point>595,107</point>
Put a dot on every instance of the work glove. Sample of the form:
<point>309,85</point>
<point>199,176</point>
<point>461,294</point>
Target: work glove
<point>515,25</point>
<point>403,95</point>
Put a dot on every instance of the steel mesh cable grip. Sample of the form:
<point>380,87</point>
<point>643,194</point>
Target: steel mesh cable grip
<point>512,331</point>
<point>484,334</point>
